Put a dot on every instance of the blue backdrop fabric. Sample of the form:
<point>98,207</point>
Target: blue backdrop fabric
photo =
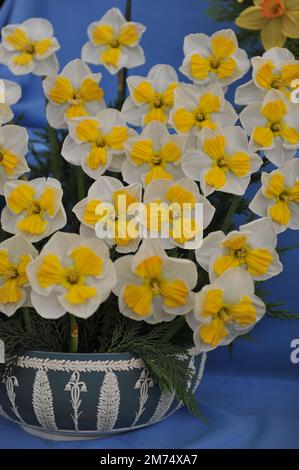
<point>251,399</point>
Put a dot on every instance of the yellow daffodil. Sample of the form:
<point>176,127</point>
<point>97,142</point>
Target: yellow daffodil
<point>29,47</point>
<point>279,197</point>
<point>224,310</point>
<point>276,19</point>
<point>153,287</point>
<point>73,93</point>
<point>114,42</point>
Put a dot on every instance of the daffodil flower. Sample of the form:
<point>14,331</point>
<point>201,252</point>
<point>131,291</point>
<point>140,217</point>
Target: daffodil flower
<point>29,47</point>
<point>277,20</point>
<point>276,69</point>
<point>196,108</point>
<point>15,255</point>
<point>71,274</point>
<point>33,208</point>
<point>225,309</point>
<point>97,143</point>
<point>273,127</point>
<point>251,248</point>
<point>221,161</point>
<point>278,197</point>
<point>179,199</point>
<point>153,287</point>
<point>151,97</point>
<point>114,42</point>
<point>13,147</point>
<point>214,59</point>
<point>154,154</point>
<point>10,93</point>
<point>106,207</point>
<point>73,93</point>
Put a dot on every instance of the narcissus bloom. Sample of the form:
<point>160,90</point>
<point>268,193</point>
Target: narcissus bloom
<point>179,200</point>
<point>278,197</point>
<point>196,108</point>
<point>33,208</point>
<point>153,287</point>
<point>225,309</point>
<point>10,93</point>
<point>114,42</point>
<point>71,274</point>
<point>221,161</point>
<point>252,248</point>
<point>29,47</point>
<point>73,93</point>
<point>273,127</point>
<point>154,154</point>
<point>15,254</point>
<point>276,69</point>
<point>214,59</point>
<point>106,208</point>
<point>13,147</point>
<point>97,143</point>
<point>276,19</point>
<point>151,97</point>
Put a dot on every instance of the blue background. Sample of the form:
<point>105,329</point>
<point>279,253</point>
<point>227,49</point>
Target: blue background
<point>251,400</point>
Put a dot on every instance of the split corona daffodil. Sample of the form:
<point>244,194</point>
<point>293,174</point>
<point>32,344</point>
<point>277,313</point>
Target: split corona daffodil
<point>13,148</point>
<point>278,197</point>
<point>114,42</point>
<point>10,93</point>
<point>73,93</point>
<point>154,154</point>
<point>273,127</point>
<point>106,209</point>
<point>214,59</point>
<point>221,161</point>
<point>29,47</point>
<point>277,69</point>
<point>251,248</point>
<point>196,108</point>
<point>97,143</point>
<point>15,255</point>
<point>225,309</point>
<point>71,274</point>
<point>153,287</point>
<point>151,97</point>
<point>33,208</point>
<point>277,20</point>
<point>176,205</point>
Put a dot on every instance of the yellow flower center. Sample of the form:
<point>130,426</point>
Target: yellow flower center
<point>271,9</point>
<point>283,196</point>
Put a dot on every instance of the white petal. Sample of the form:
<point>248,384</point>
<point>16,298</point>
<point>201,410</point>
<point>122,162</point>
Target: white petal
<point>210,247</point>
<point>91,53</point>
<point>183,269</point>
<point>76,70</point>
<point>20,69</point>
<point>104,187</point>
<point>197,43</point>
<point>251,117</point>
<point>132,113</point>
<point>6,113</point>
<point>240,280</point>
<point>48,66</point>
<point>261,233</point>
<point>162,75</point>
<point>38,28</point>
<point>248,93</point>
<point>12,92</point>
<point>47,307</point>
<point>72,152</point>
<point>15,138</point>
<point>134,56</point>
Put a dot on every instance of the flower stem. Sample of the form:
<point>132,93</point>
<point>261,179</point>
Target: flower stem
<point>123,73</point>
<point>80,183</point>
<point>230,213</point>
<point>27,320</point>
<point>54,152</point>
<point>74,334</point>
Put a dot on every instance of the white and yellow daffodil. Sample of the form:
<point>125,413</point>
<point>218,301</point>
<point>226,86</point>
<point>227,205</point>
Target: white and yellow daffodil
<point>278,197</point>
<point>225,309</point>
<point>276,69</point>
<point>151,97</point>
<point>114,42</point>
<point>173,205</point>
<point>106,208</point>
<point>33,208</point>
<point>15,254</point>
<point>154,154</point>
<point>273,127</point>
<point>73,93</point>
<point>10,93</point>
<point>29,47</point>
<point>214,59</point>
<point>196,108</point>
<point>251,248</point>
<point>71,274</point>
<point>221,161</point>
<point>153,287</point>
<point>13,147</point>
<point>97,143</point>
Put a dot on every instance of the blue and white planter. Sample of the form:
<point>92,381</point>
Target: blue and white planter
<point>83,396</point>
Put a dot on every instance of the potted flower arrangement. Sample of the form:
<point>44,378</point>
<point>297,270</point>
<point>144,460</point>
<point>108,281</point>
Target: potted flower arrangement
<point>121,264</point>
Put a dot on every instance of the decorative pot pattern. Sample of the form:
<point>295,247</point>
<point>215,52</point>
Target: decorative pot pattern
<point>83,396</point>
